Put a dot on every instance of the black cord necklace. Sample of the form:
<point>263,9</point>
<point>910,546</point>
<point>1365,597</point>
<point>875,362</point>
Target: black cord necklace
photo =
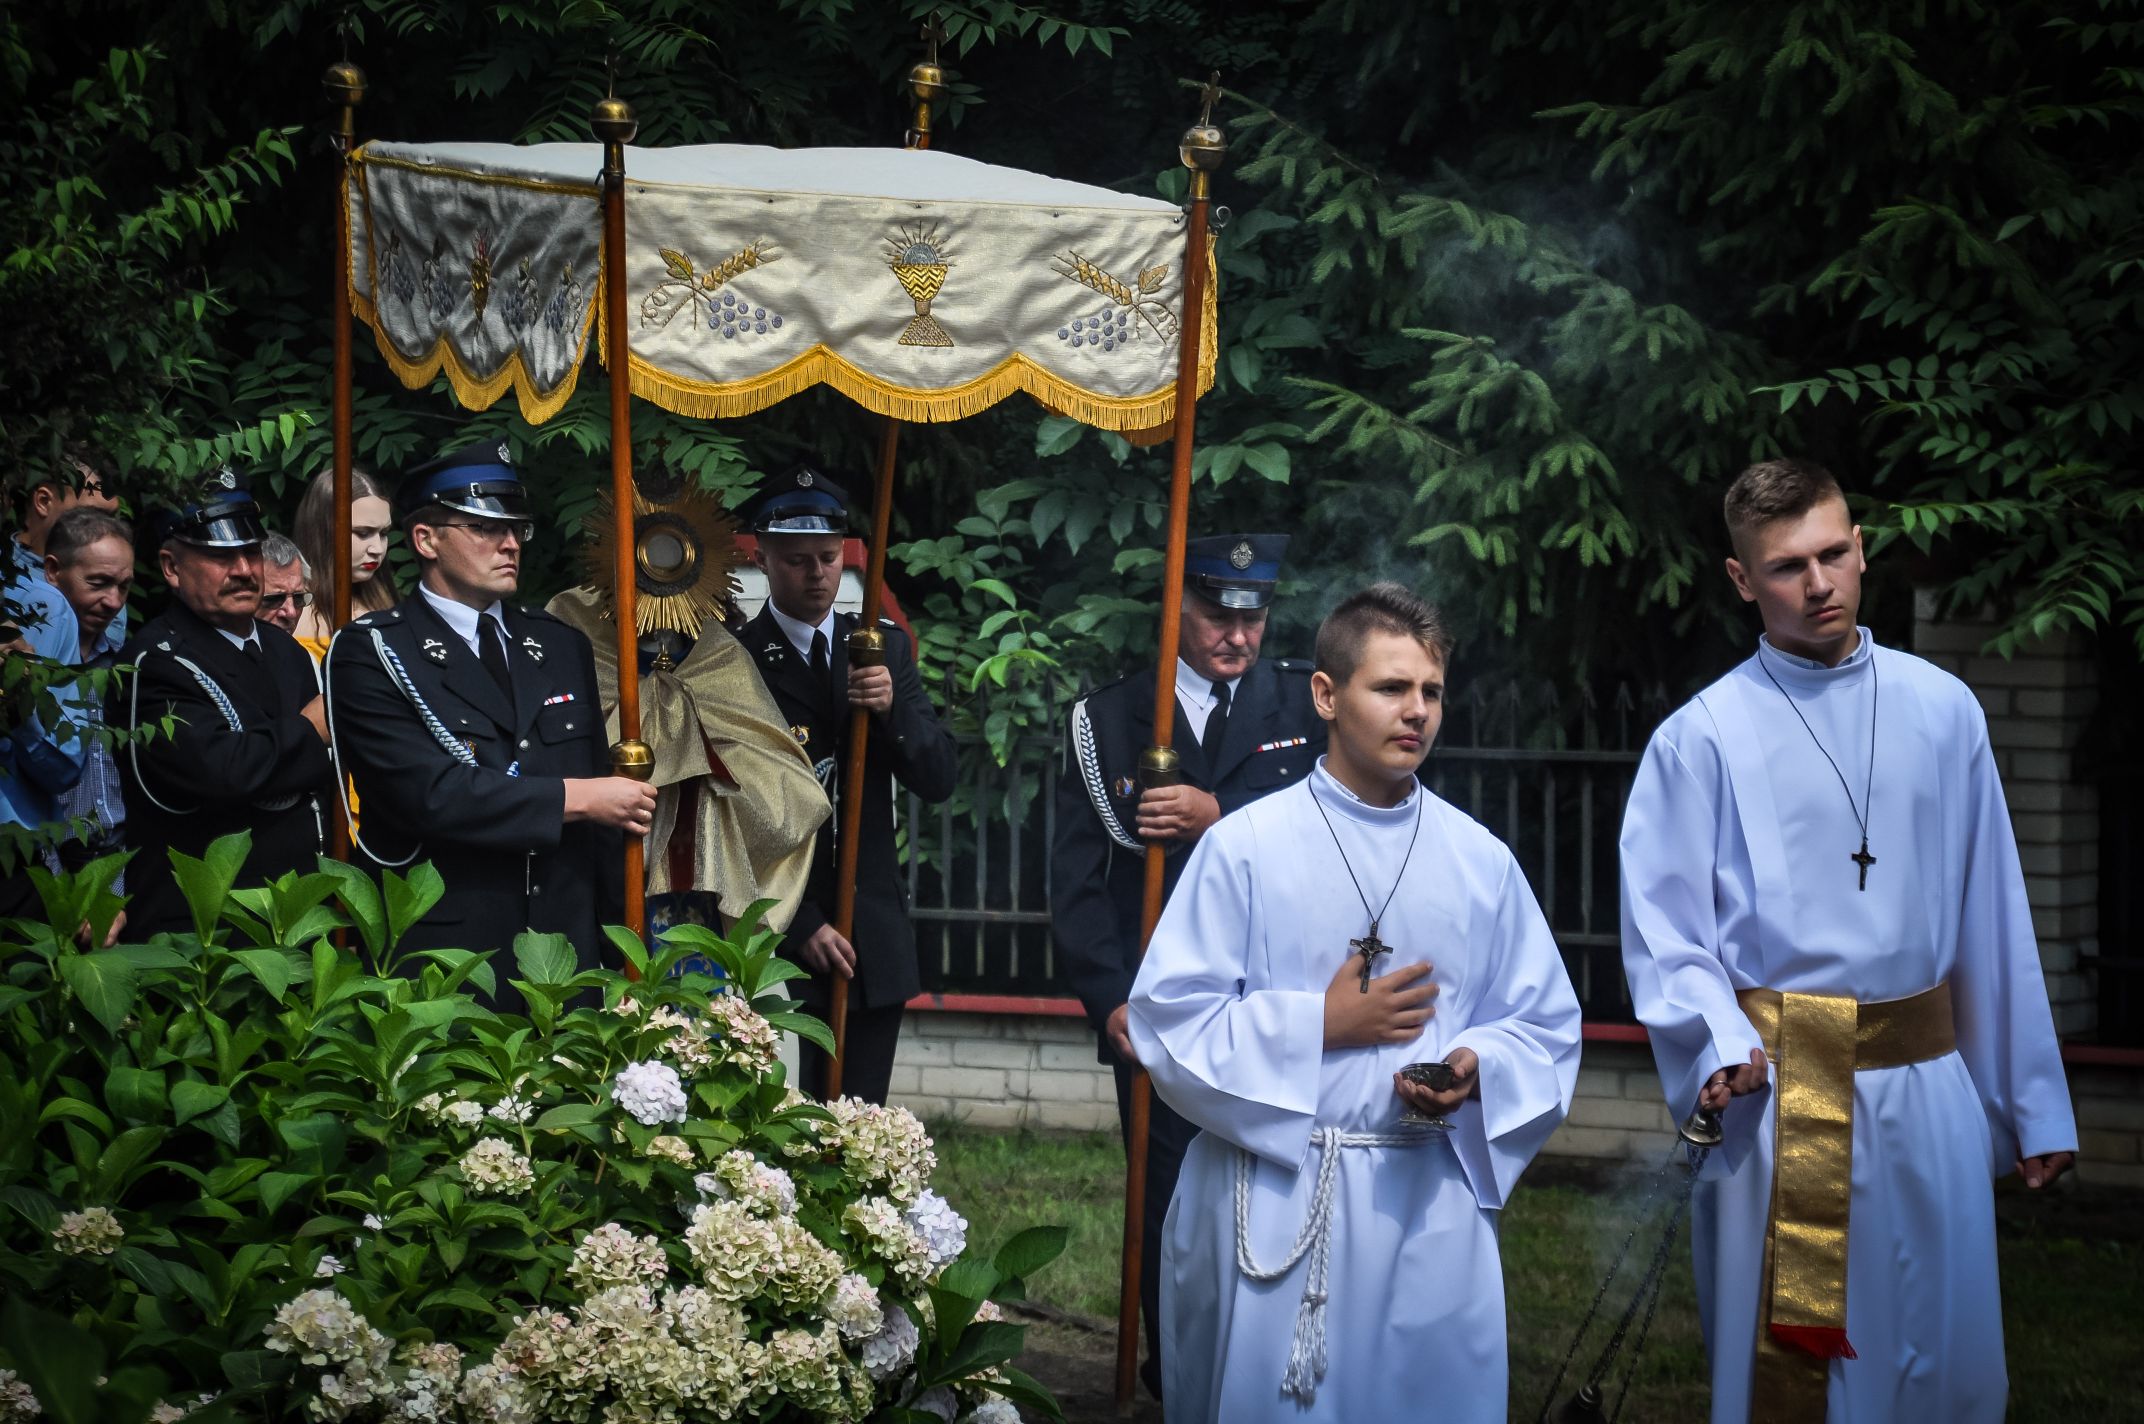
<point>1861,857</point>
<point>1370,946</point>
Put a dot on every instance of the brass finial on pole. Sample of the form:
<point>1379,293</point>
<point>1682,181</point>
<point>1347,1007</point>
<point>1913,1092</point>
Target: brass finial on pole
<point>927,83</point>
<point>1202,149</point>
<point>344,85</point>
<point>615,124</point>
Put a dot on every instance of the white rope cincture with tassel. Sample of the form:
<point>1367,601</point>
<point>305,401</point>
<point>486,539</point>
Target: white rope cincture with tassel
<point>1306,1357</point>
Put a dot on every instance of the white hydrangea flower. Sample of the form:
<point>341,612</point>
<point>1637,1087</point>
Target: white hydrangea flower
<point>329,1266</point>
<point>883,1147</point>
<point>652,1092</point>
<point>944,1230</point>
<point>18,1403</point>
<point>995,1409</point>
<point>877,1225</point>
<point>463,1112</point>
<point>806,1366</point>
<point>321,1328</point>
<point>626,1007</point>
<point>513,1108</point>
<point>491,1394</point>
<point>164,1413</point>
<point>988,1312</point>
<point>739,1176</point>
<point>373,1222</point>
<point>853,1307</point>
<point>747,1039</point>
<point>890,1351</point>
<point>494,1167</point>
<point>671,1149</point>
<point>430,1106</point>
<point>610,1255</point>
<point>93,1231</point>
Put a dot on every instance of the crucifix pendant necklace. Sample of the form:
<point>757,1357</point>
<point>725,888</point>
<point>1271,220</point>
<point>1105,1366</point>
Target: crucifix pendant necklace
<point>1370,946</point>
<point>1861,857</point>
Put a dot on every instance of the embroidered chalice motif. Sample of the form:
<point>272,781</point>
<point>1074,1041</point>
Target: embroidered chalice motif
<point>919,260</point>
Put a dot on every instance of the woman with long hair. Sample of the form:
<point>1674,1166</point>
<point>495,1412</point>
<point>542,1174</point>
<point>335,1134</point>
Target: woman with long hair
<point>371,519</point>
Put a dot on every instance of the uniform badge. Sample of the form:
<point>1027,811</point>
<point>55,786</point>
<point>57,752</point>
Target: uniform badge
<point>804,479</point>
<point>1240,556</point>
<point>435,650</point>
<point>801,732</point>
<point>534,649</point>
<point>505,456</point>
<point>1127,787</point>
<point>771,648</point>
<point>224,478</point>
<point>164,647</point>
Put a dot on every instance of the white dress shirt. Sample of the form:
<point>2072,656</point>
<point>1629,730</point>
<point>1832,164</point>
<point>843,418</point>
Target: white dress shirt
<point>463,619</point>
<point>799,633</point>
<point>1194,694</point>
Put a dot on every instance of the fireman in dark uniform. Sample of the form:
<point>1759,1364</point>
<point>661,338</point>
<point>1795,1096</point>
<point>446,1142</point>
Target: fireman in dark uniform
<point>473,730</point>
<point>249,746</point>
<point>1244,727</point>
<point>802,647</point>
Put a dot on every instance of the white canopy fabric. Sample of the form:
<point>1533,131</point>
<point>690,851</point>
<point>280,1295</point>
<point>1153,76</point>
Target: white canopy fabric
<point>920,284</point>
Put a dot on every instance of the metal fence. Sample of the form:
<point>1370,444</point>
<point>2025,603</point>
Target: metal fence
<point>1545,772</point>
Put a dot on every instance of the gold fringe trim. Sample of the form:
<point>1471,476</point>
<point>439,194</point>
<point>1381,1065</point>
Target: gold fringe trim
<point>1143,419</point>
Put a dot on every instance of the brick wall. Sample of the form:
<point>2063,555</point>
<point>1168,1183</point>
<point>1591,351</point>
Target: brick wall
<point>2037,703</point>
<point>999,1070</point>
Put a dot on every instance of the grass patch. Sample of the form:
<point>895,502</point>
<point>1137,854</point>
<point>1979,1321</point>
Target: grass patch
<point>2072,1313</point>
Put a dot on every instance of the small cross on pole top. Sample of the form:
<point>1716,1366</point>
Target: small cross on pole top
<point>1369,947</point>
<point>933,35</point>
<point>1209,93</point>
<point>1863,859</point>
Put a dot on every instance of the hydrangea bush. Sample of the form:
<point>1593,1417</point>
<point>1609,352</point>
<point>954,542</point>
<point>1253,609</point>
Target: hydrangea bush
<point>247,1174</point>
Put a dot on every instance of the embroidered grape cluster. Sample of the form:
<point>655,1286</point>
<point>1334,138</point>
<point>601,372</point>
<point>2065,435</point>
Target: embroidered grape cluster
<point>735,317</point>
<point>1111,328</point>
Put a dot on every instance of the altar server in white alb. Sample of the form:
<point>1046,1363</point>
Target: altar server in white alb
<point>1329,1254</point>
<point>1826,932</point>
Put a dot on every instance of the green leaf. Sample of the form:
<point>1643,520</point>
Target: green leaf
<point>1030,1250</point>
<point>57,1359</point>
<point>271,966</point>
<point>410,897</point>
<point>360,900</point>
<point>135,1093</point>
<point>190,1098</point>
<point>567,1115</point>
<point>103,983</point>
<point>804,1026</point>
<point>628,946</point>
<point>277,1188</point>
<point>206,883</point>
<point>119,1159</point>
<point>544,958</point>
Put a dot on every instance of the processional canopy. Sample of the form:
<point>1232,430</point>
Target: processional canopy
<point>920,284</point>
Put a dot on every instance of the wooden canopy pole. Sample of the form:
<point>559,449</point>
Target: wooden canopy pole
<point>1202,151</point>
<point>867,645</point>
<point>614,123</point>
<point>345,86</point>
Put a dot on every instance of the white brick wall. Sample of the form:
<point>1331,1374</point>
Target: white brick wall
<point>996,1070</point>
<point>2037,703</point>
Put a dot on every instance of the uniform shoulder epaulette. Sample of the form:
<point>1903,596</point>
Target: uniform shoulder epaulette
<point>377,618</point>
<point>1302,665</point>
<point>538,611</point>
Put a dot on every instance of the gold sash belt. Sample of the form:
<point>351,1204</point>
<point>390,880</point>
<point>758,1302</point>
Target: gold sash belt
<point>1816,1042</point>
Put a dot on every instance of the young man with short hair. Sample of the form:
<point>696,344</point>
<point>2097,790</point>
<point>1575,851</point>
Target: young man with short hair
<point>801,645</point>
<point>473,730</point>
<point>1328,1257</point>
<point>1816,852</point>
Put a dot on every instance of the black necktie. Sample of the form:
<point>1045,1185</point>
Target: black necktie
<point>491,650</point>
<point>1217,720</point>
<point>819,660</point>
<point>252,649</point>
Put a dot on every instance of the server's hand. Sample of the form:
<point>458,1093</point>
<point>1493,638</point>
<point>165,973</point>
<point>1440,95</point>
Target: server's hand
<point>1119,1028</point>
<point>2042,1170</point>
<point>1466,1083</point>
<point>1392,1010</point>
<point>1736,1082</point>
<point>615,801</point>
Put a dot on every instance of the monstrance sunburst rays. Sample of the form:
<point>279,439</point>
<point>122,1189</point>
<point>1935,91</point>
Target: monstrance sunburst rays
<point>684,558</point>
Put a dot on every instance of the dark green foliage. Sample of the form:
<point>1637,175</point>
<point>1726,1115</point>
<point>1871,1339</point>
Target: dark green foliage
<point>1509,293</point>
